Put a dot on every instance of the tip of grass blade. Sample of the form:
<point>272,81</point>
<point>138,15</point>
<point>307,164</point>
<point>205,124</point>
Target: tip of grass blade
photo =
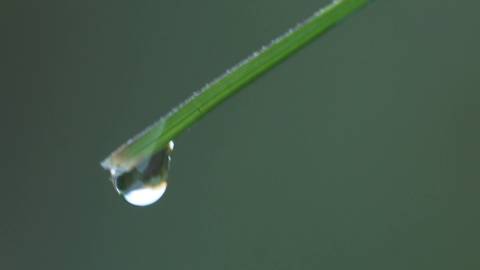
<point>126,157</point>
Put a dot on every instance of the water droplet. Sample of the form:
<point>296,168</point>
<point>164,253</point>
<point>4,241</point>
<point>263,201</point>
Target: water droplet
<point>145,183</point>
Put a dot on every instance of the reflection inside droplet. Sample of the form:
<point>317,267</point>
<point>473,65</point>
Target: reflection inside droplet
<point>146,183</point>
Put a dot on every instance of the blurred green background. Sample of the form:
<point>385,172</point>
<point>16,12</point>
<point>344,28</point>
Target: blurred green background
<point>360,152</point>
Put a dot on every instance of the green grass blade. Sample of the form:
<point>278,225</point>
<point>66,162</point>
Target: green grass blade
<point>200,103</point>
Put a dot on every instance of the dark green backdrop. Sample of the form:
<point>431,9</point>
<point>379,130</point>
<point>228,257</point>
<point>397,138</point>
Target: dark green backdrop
<point>361,152</point>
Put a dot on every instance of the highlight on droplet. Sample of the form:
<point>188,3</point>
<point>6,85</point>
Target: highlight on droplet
<point>145,196</point>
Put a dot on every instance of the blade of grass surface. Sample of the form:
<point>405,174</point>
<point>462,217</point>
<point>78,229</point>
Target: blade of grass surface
<point>155,137</point>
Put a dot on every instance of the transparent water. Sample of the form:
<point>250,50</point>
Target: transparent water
<point>147,182</point>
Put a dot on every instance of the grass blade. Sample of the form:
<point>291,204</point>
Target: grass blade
<point>155,137</point>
